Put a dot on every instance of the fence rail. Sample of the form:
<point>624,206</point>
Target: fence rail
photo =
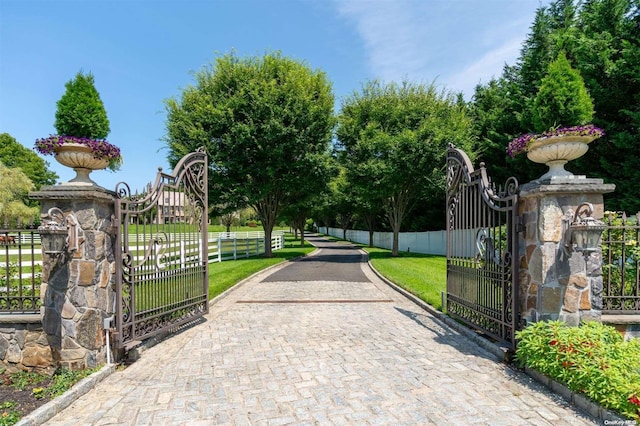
<point>621,264</point>
<point>234,245</point>
<point>20,271</point>
<point>428,242</point>
<point>21,261</point>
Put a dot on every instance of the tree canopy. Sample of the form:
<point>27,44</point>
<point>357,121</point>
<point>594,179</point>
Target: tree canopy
<point>14,155</point>
<point>393,140</point>
<point>601,40</point>
<point>266,124</point>
<point>13,194</point>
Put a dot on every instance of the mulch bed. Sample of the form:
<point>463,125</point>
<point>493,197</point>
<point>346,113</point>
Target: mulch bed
<point>25,399</point>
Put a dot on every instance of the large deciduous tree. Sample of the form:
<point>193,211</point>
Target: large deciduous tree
<point>266,124</point>
<point>393,140</point>
<point>14,155</point>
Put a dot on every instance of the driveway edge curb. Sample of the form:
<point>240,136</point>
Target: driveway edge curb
<point>498,351</point>
<point>576,399</point>
<point>47,411</point>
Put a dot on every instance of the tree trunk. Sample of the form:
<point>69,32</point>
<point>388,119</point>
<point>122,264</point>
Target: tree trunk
<point>396,208</point>
<point>267,210</point>
<point>370,219</point>
<point>268,230</point>
<point>396,236</point>
<point>299,222</point>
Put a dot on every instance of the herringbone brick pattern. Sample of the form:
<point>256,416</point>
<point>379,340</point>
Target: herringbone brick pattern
<point>317,352</point>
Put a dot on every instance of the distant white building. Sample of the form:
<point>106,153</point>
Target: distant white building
<point>171,207</point>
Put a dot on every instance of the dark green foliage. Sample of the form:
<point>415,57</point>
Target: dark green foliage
<point>601,39</point>
<point>14,155</point>
<point>266,124</point>
<point>80,111</point>
<point>562,100</point>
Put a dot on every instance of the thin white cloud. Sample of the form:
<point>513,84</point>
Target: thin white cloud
<point>388,30</point>
<point>457,43</point>
<point>487,67</point>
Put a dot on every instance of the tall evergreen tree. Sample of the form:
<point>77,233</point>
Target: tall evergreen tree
<point>562,100</point>
<point>80,111</point>
<point>601,39</point>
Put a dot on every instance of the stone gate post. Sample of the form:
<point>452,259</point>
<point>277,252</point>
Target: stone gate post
<point>78,286</point>
<point>556,283</point>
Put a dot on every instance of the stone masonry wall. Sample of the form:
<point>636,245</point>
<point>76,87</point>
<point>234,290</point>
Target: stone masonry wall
<point>24,345</point>
<point>556,283</point>
<point>78,288</point>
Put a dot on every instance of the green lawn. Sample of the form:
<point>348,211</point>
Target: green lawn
<point>423,275</point>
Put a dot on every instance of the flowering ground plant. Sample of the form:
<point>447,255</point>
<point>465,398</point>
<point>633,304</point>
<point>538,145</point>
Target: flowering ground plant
<point>100,148</point>
<point>523,142</point>
<point>592,359</point>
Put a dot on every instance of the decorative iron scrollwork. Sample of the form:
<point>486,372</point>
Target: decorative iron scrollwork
<point>481,242</point>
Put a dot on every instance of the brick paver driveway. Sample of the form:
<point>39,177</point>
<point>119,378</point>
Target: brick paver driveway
<point>318,341</point>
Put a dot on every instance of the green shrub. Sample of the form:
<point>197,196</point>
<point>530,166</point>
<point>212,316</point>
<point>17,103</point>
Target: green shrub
<point>562,99</point>
<point>592,359</point>
<point>64,379</point>
<point>80,111</point>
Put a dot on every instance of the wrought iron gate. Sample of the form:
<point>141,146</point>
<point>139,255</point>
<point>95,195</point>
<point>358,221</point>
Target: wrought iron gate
<point>163,239</point>
<point>482,248</point>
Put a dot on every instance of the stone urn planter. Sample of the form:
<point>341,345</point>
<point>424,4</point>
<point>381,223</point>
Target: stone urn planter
<point>556,147</point>
<point>83,155</point>
<point>556,151</point>
<point>82,160</point>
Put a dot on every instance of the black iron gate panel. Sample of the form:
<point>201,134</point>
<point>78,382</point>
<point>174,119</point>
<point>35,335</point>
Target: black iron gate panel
<point>482,247</point>
<point>163,255</point>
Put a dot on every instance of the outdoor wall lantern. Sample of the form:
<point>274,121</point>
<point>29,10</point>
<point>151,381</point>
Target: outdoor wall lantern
<point>585,231</point>
<point>58,233</point>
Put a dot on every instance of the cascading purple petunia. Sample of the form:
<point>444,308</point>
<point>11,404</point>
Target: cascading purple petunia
<point>100,148</point>
<point>521,143</point>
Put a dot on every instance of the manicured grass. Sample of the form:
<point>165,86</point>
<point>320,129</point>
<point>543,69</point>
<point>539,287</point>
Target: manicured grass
<point>224,275</point>
<point>423,275</point>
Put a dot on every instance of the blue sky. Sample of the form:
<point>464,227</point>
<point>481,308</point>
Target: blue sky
<point>142,52</point>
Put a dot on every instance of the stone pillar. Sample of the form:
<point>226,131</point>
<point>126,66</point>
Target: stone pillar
<point>556,283</point>
<point>78,288</point>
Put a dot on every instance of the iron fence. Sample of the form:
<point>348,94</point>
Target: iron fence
<point>621,264</point>
<point>20,271</point>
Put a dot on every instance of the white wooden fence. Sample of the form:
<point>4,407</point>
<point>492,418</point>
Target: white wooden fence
<point>221,245</point>
<point>431,242</point>
<point>234,245</point>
